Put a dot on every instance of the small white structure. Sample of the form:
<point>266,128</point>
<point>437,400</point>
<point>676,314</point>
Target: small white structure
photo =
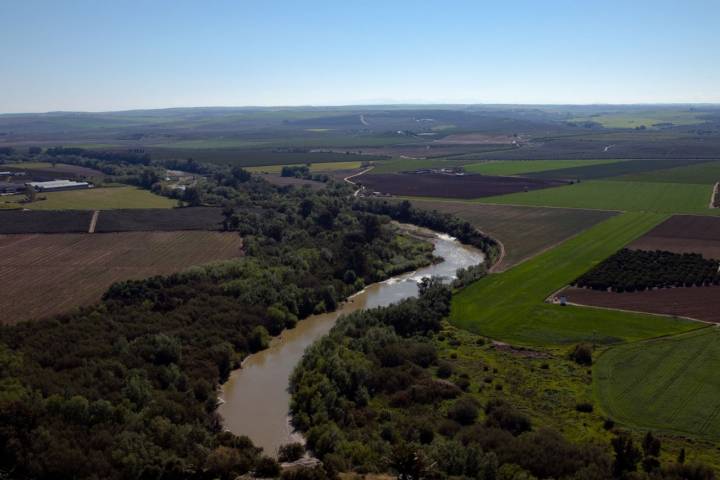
<point>58,185</point>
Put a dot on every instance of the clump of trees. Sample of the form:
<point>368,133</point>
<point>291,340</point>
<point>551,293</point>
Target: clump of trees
<point>638,270</point>
<point>303,171</point>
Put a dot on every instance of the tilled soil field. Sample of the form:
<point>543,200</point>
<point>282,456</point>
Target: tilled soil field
<point>451,186</point>
<point>683,234</point>
<point>701,303</point>
<point>66,221</point>
<point>160,219</point>
<point>42,275</point>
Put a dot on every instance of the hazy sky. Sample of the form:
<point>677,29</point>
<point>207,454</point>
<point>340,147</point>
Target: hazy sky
<point>110,55</point>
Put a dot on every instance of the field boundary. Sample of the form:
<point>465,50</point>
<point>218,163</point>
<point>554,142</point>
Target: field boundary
<point>93,221</point>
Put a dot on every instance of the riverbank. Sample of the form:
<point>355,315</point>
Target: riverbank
<point>255,397</point>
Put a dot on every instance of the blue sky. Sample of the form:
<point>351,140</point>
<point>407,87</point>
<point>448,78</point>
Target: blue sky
<point>113,55</point>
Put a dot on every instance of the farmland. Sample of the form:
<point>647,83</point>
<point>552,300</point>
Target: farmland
<point>509,306</point>
<point>40,221</point>
<point>42,275</point>
<point>701,303</point>
<point>623,196</point>
<point>614,169</point>
<point>523,231</point>
<point>521,167</point>
<point>450,186</point>
<point>706,173</point>
<point>666,384</point>
<point>683,234</point>
<point>175,219</point>
<point>322,167</point>
<point>639,118</point>
<point>105,198</point>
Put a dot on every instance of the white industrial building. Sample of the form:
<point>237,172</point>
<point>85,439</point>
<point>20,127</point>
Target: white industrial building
<point>58,185</point>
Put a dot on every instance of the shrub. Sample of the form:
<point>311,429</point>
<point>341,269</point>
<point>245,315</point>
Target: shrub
<point>445,370</point>
<point>502,415</point>
<point>267,467</point>
<point>464,411</point>
<point>291,452</point>
<point>582,354</point>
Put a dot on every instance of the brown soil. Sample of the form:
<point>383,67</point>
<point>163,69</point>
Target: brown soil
<point>42,275</point>
<point>701,303</point>
<point>684,234</point>
<point>451,186</point>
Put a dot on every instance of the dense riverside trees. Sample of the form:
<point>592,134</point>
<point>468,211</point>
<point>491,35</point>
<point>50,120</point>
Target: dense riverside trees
<point>126,388</point>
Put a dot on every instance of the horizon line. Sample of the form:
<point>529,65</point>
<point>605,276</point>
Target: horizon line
<point>367,105</point>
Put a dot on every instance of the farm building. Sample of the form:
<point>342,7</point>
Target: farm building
<point>7,188</point>
<point>58,185</point>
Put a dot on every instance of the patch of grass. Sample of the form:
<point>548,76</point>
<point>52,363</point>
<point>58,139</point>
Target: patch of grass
<point>703,174</point>
<point>510,306</point>
<point>518,167</point>
<point>101,199</point>
<point>613,195</point>
<point>669,384</point>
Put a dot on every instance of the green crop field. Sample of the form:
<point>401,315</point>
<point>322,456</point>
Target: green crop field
<point>612,169</point>
<point>510,306</point>
<point>615,195</point>
<point>519,167</point>
<point>647,118</point>
<point>101,199</point>
<point>668,384</point>
<point>702,173</point>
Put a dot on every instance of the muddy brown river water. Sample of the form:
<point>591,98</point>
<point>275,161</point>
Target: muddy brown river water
<point>256,398</point>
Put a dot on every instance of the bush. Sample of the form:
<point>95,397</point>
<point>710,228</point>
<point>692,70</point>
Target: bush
<point>445,370</point>
<point>291,452</point>
<point>582,354</point>
<point>502,415</point>
<point>267,467</point>
<point>464,411</point>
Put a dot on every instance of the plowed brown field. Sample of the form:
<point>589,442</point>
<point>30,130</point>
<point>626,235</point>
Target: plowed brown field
<point>683,234</point>
<point>451,186</point>
<point>700,303</point>
<point>42,275</point>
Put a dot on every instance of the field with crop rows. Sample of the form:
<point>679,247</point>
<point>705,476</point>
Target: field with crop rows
<point>523,231</point>
<point>105,198</point>
<point>622,196</point>
<point>521,167</point>
<point>41,275</point>
<point>667,384</point>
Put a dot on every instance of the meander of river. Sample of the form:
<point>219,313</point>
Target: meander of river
<point>255,399</point>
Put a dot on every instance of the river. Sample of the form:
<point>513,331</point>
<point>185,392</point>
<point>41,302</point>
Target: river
<point>255,397</point>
